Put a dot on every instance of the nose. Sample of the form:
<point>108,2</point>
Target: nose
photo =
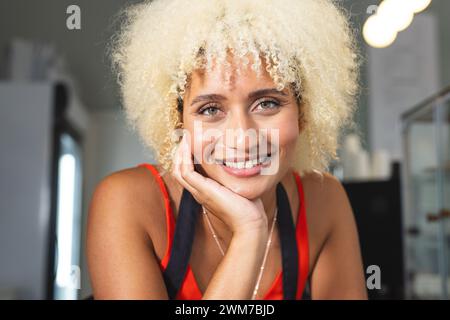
<point>241,132</point>
<point>240,119</point>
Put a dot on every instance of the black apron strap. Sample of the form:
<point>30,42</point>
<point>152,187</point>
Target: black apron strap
<point>289,252</point>
<point>182,244</point>
<point>184,237</point>
<point>306,295</point>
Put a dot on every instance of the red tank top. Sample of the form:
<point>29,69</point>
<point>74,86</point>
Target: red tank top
<point>190,290</point>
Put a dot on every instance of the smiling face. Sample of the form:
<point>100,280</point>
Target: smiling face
<point>249,130</point>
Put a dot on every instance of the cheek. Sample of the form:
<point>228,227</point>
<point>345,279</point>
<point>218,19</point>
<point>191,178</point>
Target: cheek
<point>287,125</point>
<point>199,145</point>
<point>289,134</point>
<point>203,143</point>
<point>195,135</point>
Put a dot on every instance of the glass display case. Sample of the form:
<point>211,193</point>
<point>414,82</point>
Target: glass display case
<point>426,198</point>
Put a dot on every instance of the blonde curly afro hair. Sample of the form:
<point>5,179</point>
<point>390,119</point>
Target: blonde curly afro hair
<point>305,43</point>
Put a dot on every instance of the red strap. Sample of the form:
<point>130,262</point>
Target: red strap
<point>170,223</point>
<point>302,229</point>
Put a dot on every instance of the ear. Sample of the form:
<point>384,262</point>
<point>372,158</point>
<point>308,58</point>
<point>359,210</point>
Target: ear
<point>301,116</point>
<point>179,107</point>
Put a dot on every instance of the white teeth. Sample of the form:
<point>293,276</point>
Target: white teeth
<point>265,159</point>
<point>231,164</point>
<point>246,164</point>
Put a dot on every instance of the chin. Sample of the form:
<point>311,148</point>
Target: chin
<point>248,189</point>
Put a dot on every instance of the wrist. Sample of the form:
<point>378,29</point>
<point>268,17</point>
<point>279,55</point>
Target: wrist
<point>255,230</point>
<point>253,241</point>
<point>251,222</point>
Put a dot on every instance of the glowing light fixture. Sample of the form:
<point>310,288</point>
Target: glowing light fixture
<point>377,33</point>
<point>418,5</point>
<point>380,30</point>
<point>397,13</point>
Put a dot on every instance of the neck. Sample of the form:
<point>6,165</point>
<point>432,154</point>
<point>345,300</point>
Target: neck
<point>269,200</point>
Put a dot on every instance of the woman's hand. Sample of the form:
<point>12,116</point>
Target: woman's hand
<point>239,213</point>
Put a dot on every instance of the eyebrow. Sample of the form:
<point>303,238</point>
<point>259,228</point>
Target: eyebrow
<point>251,95</point>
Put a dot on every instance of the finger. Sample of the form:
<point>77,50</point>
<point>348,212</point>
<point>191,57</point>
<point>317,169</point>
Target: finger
<point>176,169</point>
<point>187,169</point>
<point>176,162</point>
<point>180,160</point>
<point>202,188</point>
<point>186,154</point>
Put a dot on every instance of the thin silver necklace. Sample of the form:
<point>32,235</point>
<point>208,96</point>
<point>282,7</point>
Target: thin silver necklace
<point>269,241</point>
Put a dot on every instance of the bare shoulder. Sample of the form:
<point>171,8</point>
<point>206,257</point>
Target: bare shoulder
<point>322,182</point>
<point>124,209</point>
<point>130,179</point>
<point>325,199</point>
<point>334,240</point>
<point>135,190</point>
<point>322,191</point>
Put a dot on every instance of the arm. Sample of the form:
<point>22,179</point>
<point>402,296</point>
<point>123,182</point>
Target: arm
<point>338,272</point>
<point>235,277</point>
<point>121,259</point>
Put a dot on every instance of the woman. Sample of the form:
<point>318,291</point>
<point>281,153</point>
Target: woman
<point>224,215</point>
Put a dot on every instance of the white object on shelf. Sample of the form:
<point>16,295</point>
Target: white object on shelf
<point>362,165</point>
<point>358,164</point>
<point>381,164</point>
<point>29,61</point>
<point>355,160</point>
<point>20,60</point>
<point>428,285</point>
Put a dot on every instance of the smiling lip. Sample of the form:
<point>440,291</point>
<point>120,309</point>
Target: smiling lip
<point>238,169</point>
<point>243,173</point>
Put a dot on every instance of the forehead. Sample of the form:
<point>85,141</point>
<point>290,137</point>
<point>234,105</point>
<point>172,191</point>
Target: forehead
<point>202,82</point>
